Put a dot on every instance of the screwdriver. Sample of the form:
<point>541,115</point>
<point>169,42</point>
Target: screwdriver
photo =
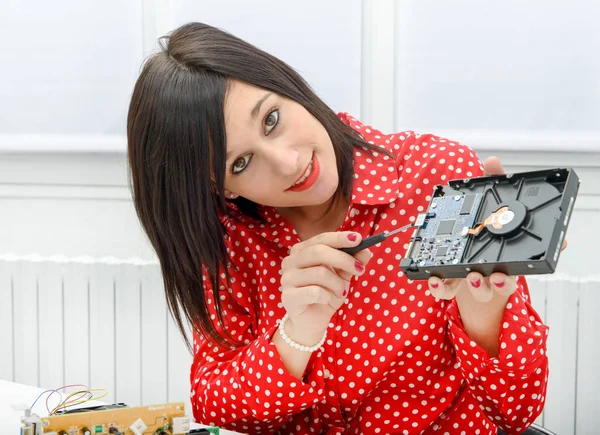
<point>373,240</point>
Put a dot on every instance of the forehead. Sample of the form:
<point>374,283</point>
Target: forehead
<point>240,113</point>
<point>240,100</point>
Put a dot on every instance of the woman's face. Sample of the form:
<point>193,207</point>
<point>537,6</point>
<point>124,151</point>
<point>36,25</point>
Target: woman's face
<point>278,154</point>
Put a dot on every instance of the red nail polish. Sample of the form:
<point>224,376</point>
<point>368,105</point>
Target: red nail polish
<point>499,284</point>
<point>345,293</point>
<point>434,285</point>
<point>476,283</point>
<point>359,266</point>
<point>352,237</point>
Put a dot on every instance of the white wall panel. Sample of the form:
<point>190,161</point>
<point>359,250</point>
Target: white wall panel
<point>504,68</point>
<point>69,67</point>
<point>25,325</point>
<point>320,39</point>
<point>49,311</point>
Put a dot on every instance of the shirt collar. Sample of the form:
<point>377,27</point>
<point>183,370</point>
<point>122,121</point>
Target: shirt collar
<point>375,174</point>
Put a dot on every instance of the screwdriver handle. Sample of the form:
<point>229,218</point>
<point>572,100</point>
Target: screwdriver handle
<point>366,243</point>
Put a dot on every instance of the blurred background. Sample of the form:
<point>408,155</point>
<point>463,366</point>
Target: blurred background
<point>80,291</point>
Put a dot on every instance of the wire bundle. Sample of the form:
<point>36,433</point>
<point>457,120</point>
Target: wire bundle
<point>83,395</point>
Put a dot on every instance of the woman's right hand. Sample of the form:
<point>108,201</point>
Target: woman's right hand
<point>315,281</point>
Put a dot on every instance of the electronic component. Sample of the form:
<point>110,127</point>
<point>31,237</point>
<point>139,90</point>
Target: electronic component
<point>181,424</point>
<point>138,427</point>
<point>445,227</point>
<point>420,219</point>
<point>511,223</point>
<point>442,251</point>
<point>467,204</point>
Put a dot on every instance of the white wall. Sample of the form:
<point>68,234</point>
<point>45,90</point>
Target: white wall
<point>68,69</point>
<point>507,65</point>
<point>71,204</point>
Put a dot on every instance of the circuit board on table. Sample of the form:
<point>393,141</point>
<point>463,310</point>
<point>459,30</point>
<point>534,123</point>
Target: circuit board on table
<point>116,419</point>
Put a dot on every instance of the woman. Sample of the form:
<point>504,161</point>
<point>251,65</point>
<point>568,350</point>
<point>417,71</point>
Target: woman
<point>247,184</point>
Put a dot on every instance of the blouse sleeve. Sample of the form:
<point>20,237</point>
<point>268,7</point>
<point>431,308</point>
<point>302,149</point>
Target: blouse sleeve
<point>511,387</point>
<point>247,388</point>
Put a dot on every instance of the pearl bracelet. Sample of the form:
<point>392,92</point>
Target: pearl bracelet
<point>295,344</point>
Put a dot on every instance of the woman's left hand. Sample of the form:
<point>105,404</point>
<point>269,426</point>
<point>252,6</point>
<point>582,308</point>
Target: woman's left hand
<point>481,300</point>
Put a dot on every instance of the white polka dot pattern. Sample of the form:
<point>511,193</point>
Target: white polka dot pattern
<point>396,360</point>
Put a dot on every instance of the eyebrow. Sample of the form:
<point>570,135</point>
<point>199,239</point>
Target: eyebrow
<point>253,114</point>
<point>256,109</point>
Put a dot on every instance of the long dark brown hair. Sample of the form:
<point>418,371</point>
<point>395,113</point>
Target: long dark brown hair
<point>176,150</point>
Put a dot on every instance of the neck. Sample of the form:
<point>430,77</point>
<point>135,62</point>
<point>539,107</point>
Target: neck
<point>312,220</point>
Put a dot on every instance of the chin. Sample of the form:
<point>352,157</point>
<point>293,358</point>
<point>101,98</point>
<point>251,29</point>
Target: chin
<point>323,195</point>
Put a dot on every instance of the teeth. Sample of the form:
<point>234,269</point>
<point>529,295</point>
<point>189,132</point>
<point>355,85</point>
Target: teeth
<point>305,176</point>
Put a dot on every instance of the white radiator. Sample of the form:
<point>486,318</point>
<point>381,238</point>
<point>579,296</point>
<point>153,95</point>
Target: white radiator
<point>104,323</point>
<point>99,322</point>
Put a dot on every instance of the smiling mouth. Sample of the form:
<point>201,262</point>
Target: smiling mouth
<point>308,177</point>
<point>306,174</point>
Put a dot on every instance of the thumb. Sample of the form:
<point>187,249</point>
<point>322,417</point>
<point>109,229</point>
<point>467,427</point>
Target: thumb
<point>492,166</point>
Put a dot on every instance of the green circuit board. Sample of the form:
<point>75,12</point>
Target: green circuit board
<point>442,232</point>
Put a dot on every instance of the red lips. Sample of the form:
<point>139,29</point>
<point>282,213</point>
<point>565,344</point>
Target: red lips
<point>311,179</point>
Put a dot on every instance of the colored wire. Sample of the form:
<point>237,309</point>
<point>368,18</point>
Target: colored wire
<point>74,398</point>
<point>47,391</point>
<point>77,401</point>
<point>62,388</point>
<point>70,400</point>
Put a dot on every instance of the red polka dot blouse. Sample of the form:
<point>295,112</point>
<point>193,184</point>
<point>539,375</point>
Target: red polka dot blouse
<point>396,359</point>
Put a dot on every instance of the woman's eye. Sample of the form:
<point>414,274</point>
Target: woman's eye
<point>271,121</point>
<point>240,164</point>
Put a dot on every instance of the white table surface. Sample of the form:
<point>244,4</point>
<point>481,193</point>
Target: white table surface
<point>22,396</point>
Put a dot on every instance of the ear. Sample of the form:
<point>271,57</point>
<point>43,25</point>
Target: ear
<point>230,195</point>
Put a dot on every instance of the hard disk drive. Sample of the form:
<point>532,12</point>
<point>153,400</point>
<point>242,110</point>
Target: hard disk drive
<point>511,223</point>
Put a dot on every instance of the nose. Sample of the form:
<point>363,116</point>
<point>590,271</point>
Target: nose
<point>284,160</point>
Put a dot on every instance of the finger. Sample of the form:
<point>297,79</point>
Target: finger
<point>481,290</point>
<point>347,277</point>
<point>443,289</point>
<point>325,255</point>
<point>364,256</point>
<point>319,275</point>
<point>341,239</point>
<point>296,298</point>
<point>502,284</point>
<point>564,245</point>
<point>492,166</point>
